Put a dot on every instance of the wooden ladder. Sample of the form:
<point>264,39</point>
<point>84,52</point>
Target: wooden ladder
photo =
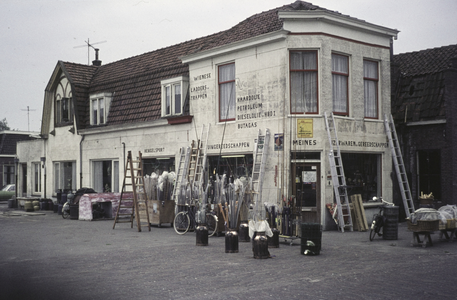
<point>338,179</point>
<point>137,205</point>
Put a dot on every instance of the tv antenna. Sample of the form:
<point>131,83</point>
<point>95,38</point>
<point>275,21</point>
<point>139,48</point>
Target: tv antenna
<point>89,45</point>
<point>28,116</point>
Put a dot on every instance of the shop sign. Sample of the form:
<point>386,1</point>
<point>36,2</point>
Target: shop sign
<point>304,128</point>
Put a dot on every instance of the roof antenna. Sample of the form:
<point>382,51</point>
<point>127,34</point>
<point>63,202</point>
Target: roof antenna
<point>89,45</point>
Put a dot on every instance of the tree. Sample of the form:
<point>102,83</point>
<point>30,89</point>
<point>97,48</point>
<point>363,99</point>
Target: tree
<point>4,125</point>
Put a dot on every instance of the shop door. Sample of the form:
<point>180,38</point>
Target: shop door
<point>306,187</point>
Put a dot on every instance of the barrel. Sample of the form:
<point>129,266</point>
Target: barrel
<point>28,206</point>
<point>63,198</point>
<point>260,245</point>
<point>12,203</point>
<point>231,241</point>
<point>243,232</point>
<point>311,238</point>
<point>74,211</point>
<point>201,233</point>
<point>36,205</point>
<point>390,228</point>
<point>273,241</point>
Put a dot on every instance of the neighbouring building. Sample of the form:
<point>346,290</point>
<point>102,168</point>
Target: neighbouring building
<point>8,141</point>
<point>424,100</point>
<point>280,69</point>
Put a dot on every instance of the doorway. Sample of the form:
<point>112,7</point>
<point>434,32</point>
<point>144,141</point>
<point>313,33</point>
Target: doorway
<point>306,188</point>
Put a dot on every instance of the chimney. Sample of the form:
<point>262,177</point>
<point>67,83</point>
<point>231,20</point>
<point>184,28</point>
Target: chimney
<point>96,62</point>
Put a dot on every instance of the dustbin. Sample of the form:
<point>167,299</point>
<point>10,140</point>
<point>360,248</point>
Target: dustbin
<point>74,211</point>
<point>390,228</point>
<point>311,238</point>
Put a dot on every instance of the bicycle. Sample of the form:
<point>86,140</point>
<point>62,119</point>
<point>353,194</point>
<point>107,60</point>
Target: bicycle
<point>185,220</point>
<point>379,219</point>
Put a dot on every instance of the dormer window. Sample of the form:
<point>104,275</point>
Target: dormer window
<point>63,105</point>
<point>173,94</point>
<point>99,107</point>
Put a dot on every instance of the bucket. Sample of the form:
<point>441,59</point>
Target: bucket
<point>390,228</point>
<point>273,242</point>
<point>231,241</point>
<point>311,238</point>
<point>74,211</point>
<point>202,235</point>
<point>260,245</point>
<point>12,203</point>
<point>243,233</point>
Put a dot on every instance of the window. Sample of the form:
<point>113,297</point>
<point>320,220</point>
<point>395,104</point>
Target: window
<point>63,103</point>
<point>227,92</point>
<point>36,167</point>
<point>158,165</point>
<point>99,108</point>
<point>370,84</point>
<point>9,176</point>
<point>106,176</point>
<point>303,82</point>
<point>340,75</point>
<point>65,176</point>
<point>429,172</point>
<point>363,174</point>
<point>173,95</point>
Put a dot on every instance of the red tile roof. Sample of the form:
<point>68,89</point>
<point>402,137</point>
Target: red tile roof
<point>135,81</point>
<point>418,87</point>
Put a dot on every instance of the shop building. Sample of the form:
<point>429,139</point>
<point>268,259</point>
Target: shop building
<point>282,69</point>
<point>423,106</point>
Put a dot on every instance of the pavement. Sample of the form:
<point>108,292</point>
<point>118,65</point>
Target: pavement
<point>43,256</point>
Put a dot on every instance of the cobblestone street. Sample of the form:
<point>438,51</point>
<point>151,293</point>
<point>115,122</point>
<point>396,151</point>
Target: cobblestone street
<point>43,256</point>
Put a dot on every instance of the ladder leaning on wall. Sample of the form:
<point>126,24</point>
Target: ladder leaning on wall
<point>258,169</point>
<point>399,165</point>
<point>338,179</point>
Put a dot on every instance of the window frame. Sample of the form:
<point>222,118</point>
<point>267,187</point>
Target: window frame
<point>114,169</point>
<point>63,95</point>
<point>376,93</point>
<point>58,167</point>
<point>222,84</point>
<point>171,84</point>
<point>36,178</point>
<point>9,174</point>
<point>340,74</point>
<point>304,71</point>
<point>106,98</point>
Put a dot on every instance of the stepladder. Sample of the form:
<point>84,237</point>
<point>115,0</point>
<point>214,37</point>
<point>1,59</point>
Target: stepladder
<point>343,209</point>
<point>133,201</point>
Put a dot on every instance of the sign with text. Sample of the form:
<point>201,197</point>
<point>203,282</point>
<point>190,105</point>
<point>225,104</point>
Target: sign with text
<point>304,128</point>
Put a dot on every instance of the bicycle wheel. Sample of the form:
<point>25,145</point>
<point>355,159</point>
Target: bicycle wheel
<point>65,211</point>
<point>181,223</point>
<point>211,223</point>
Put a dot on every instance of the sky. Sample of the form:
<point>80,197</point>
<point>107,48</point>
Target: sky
<point>36,34</point>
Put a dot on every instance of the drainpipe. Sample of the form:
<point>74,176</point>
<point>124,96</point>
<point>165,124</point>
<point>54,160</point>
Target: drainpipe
<point>81,161</point>
<point>123,144</point>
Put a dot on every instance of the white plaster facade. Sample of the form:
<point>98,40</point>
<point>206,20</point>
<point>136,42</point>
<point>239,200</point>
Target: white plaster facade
<point>262,101</point>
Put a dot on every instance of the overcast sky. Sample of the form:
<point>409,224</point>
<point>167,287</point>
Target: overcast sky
<point>35,34</point>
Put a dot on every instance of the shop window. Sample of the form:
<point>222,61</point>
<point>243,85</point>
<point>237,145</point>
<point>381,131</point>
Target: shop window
<point>370,84</point>
<point>63,103</point>
<point>340,76</point>
<point>99,108</point>
<point>106,176</point>
<point>36,167</point>
<point>227,92</point>
<point>303,82</point>
<point>429,172</point>
<point>158,165</point>
<point>173,94</point>
<point>363,174</point>
<point>65,176</point>
<point>234,166</point>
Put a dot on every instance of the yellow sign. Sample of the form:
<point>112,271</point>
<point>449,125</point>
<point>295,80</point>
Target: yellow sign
<point>304,128</point>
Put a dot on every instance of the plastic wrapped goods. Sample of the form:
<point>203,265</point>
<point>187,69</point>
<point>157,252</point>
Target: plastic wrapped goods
<point>424,214</point>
